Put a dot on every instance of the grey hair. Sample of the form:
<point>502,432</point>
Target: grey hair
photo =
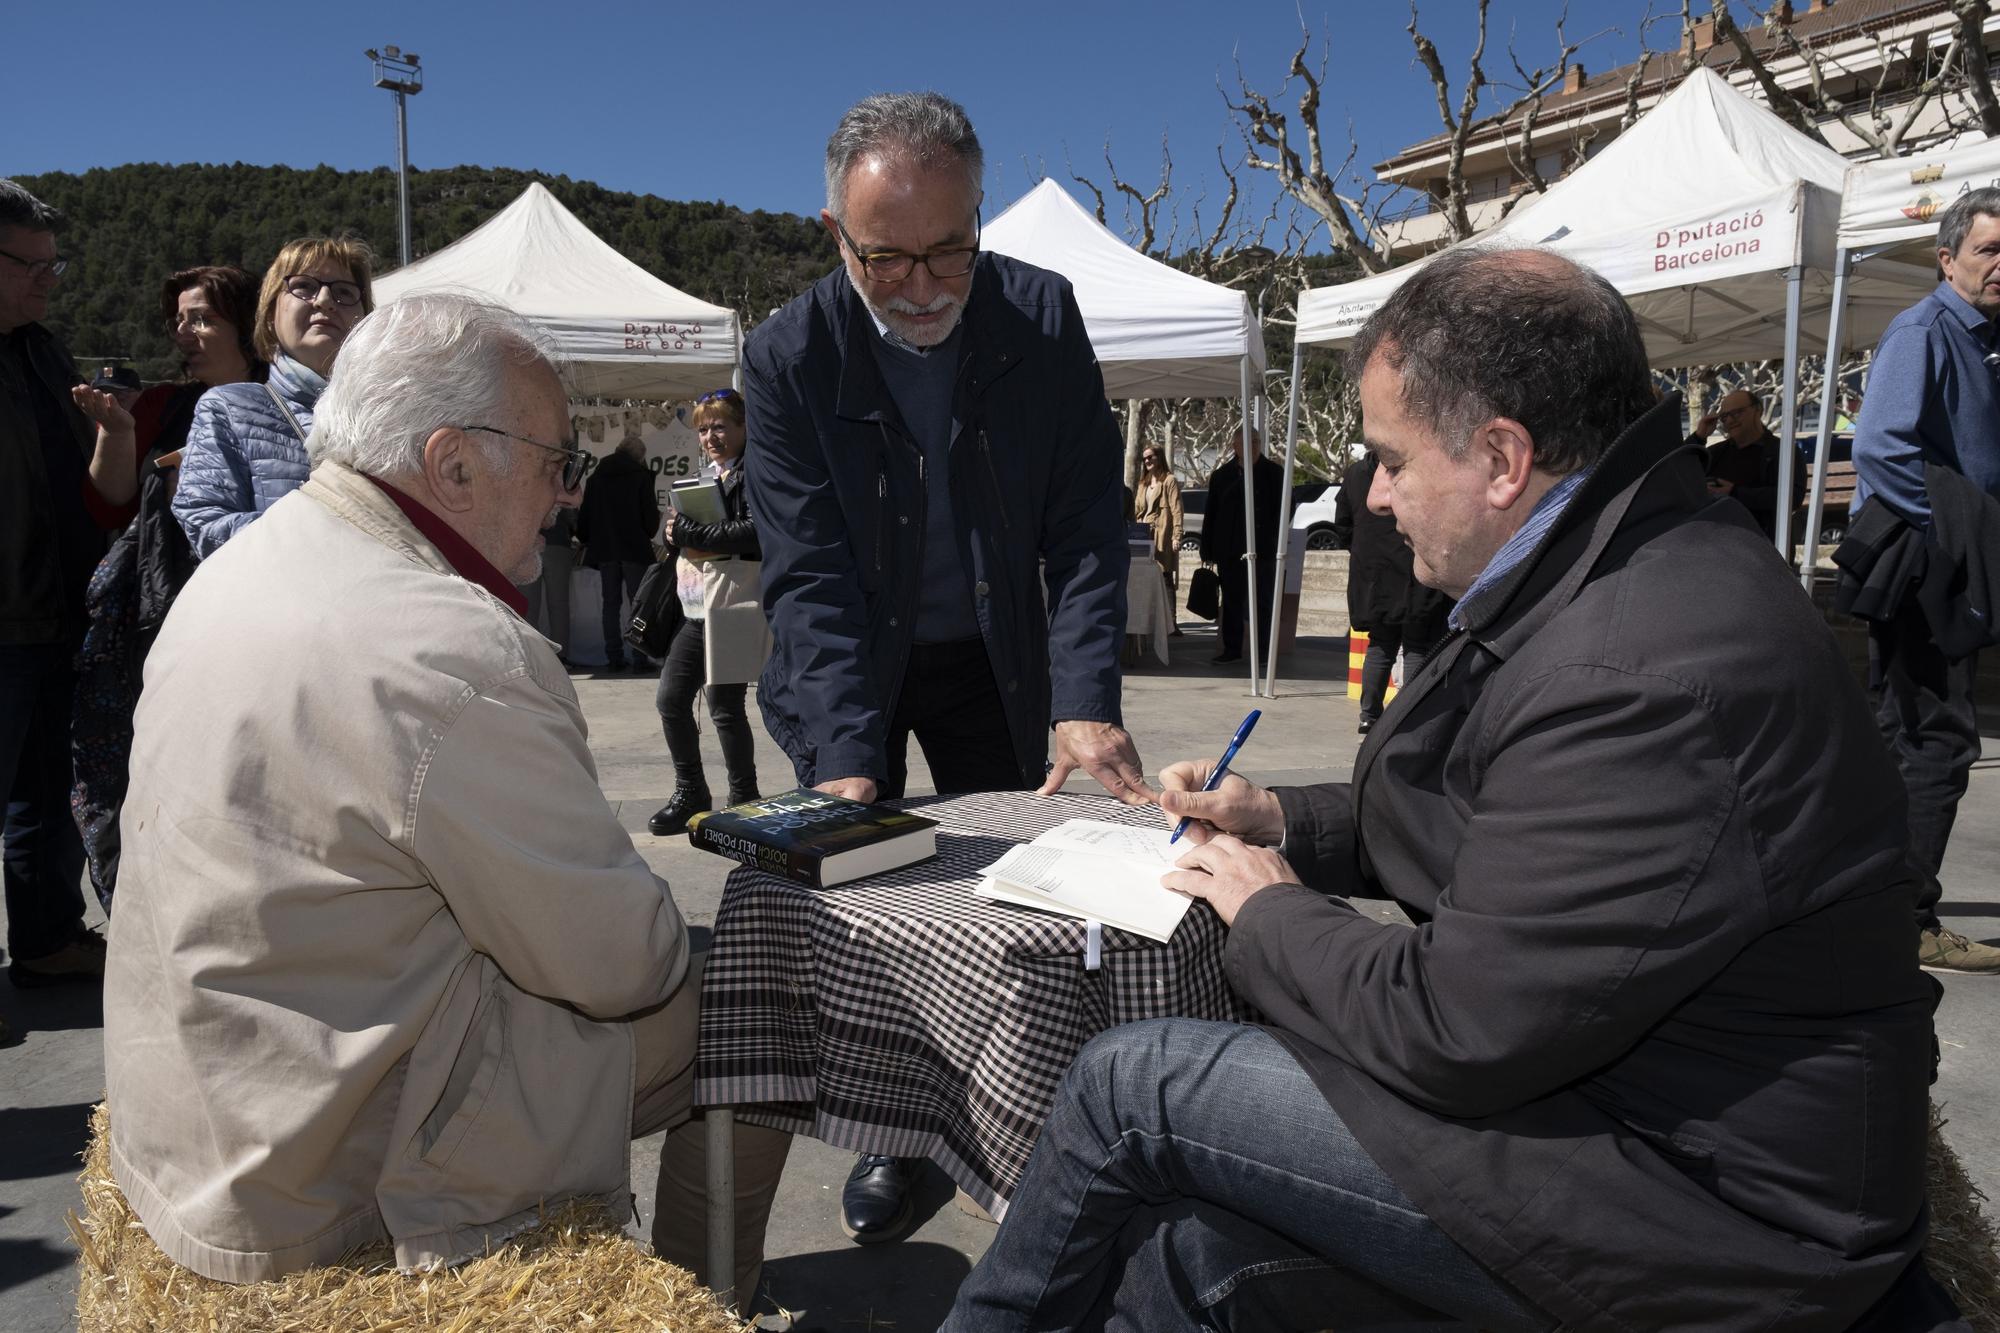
<point>928,129</point>
<point>418,365</point>
<point>22,210</point>
<point>1518,333</point>
<point>1956,222</point>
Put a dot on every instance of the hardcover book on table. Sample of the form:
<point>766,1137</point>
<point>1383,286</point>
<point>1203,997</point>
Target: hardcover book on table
<point>815,839</point>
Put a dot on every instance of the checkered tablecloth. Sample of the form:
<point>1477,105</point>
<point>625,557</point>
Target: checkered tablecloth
<point>902,1015</point>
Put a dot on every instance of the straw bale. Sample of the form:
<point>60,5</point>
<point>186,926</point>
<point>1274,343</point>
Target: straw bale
<point>1961,1250</point>
<point>575,1270</point>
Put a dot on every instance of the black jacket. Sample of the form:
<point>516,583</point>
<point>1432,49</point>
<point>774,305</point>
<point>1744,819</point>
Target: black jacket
<point>1754,470</point>
<point>837,485</point>
<point>1222,531</point>
<point>1657,1052</point>
<point>736,534</point>
<point>1952,570</point>
<point>620,512</point>
<point>1382,587</point>
<point>48,542</point>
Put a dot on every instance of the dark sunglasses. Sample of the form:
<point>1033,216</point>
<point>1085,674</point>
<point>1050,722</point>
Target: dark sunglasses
<point>726,395</point>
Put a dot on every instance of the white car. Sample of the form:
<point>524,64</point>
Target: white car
<point>1312,514</point>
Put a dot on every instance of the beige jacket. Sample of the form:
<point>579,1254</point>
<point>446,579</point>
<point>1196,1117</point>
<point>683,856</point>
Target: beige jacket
<point>375,919</point>
<point>1157,504</point>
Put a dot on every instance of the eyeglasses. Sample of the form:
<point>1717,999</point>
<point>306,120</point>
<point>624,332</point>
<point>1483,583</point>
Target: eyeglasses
<point>575,461</point>
<point>725,395</point>
<point>195,321</point>
<point>305,287</point>
<point>895,265</point>
<point>55,268</point>
<point>1730,414</point>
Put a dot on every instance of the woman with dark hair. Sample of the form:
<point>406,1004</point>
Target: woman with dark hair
<point>247,447</point>
<point>718,565</point>
<point>209,313</point>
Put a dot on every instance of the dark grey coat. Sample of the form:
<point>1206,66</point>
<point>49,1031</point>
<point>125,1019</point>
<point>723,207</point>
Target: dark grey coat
<point>1657,1050</point>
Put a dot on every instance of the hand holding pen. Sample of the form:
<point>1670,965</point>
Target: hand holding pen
<point>1215,781</point>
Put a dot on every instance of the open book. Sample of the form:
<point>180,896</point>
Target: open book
<point>1095,871</point>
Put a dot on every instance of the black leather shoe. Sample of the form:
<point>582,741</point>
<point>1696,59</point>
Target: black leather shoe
<point>1226,657</point>
<point>875,1205</point>
<point>743,795</point>
<point>673,817</point>
<point>1366,723</point>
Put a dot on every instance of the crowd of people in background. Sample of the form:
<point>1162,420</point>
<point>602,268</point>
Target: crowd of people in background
<point>351,734</point>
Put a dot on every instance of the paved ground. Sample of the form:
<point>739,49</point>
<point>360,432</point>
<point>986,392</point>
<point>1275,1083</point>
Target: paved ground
<point>48,1083</point>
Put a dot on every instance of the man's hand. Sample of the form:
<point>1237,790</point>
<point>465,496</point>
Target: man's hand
<point>1706,426</point>
<point>1717,486</point>
<point>1227,872</point>
<point>854,789</point>
<point>1239,806</point>
<point>1103,751</point>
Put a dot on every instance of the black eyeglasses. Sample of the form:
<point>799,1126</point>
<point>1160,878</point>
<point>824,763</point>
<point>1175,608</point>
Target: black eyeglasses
<point>895,265</point>
<point>575,461</point>
<point>36,267</point>
<point>307,288</point>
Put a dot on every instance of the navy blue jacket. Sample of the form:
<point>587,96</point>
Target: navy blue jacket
<point>836,483</point>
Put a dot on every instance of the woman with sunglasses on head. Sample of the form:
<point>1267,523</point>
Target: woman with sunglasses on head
<point>732,649</point>
<point>247,446</point>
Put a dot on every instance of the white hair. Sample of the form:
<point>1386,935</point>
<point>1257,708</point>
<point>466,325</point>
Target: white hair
<point>418,365</point>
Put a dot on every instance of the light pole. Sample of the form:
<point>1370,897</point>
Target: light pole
<point>399,73</point>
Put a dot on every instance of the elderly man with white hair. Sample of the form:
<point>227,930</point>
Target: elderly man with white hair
<point>385,964</point>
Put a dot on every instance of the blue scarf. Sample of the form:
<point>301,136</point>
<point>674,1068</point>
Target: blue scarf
<point>1522,544</point>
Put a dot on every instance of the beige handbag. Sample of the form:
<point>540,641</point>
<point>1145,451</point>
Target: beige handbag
<point>736,635</point>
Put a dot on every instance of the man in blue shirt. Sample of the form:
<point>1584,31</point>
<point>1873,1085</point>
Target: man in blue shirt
<point>1933,398</point>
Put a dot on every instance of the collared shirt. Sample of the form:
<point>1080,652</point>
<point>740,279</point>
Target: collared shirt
<point>459,553</point>
<point>1519,546</point>
<point>1932,398</point>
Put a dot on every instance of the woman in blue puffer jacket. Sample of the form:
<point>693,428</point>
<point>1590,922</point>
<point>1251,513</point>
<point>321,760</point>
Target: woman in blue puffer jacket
<point>247,447</point>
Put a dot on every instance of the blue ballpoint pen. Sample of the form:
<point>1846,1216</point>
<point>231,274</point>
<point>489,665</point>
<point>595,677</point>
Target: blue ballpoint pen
<point>1221,770</point>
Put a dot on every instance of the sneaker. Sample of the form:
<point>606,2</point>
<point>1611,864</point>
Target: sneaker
<point>79,962</point>
<point>1948,951</point>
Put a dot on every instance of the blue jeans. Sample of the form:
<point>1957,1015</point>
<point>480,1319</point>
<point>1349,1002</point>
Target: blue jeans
<point>43,852</point>
<point>1192,1177</point>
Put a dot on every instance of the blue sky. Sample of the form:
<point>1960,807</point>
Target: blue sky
<point>728,101</point>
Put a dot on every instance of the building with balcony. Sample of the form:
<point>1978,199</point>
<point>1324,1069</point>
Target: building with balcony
<point>1884,49</point>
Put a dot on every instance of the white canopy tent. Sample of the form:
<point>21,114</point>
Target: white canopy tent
<point>1714,218</point>
<point>1157,332</point>
<point>625,333</point>
<point>1889,219</point>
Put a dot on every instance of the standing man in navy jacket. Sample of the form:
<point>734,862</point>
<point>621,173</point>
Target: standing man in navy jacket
<point>930,450</point>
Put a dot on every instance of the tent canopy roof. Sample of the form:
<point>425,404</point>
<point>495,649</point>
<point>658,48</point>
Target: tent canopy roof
<point>1157,332</point>
<point>1703,267</point>
<point>1895,202</point>
<point>625,333</point>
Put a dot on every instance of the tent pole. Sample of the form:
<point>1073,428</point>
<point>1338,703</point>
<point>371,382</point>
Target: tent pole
<point>1249,530</point>
<point>1284,526</point>
<point>1843,264</point>
<point>1795,278</point>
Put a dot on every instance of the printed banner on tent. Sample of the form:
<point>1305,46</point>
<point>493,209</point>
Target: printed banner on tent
<point>1900,199</point>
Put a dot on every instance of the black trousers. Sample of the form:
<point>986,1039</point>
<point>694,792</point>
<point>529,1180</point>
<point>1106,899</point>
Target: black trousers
<point>43,852</point>
<point>682,677</point>
<point>1236,605</point>
<point>1380,663</point>
<point>1925,708</point>
<point>617,580</point>
<point>951,703</point>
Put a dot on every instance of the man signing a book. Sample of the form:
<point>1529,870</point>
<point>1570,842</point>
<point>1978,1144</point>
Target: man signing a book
<point>930,448</point>
<point>1655,1055</point>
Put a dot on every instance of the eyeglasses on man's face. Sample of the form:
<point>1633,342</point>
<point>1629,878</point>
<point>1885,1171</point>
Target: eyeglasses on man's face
<point>1730,414</point>
<point>895,265</point>
<point>55,268</point>
<point>306,288</point>
<point>575,461</point>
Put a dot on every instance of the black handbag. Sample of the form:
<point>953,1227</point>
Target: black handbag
<point>656,610</point>
<point>1204,594</point>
